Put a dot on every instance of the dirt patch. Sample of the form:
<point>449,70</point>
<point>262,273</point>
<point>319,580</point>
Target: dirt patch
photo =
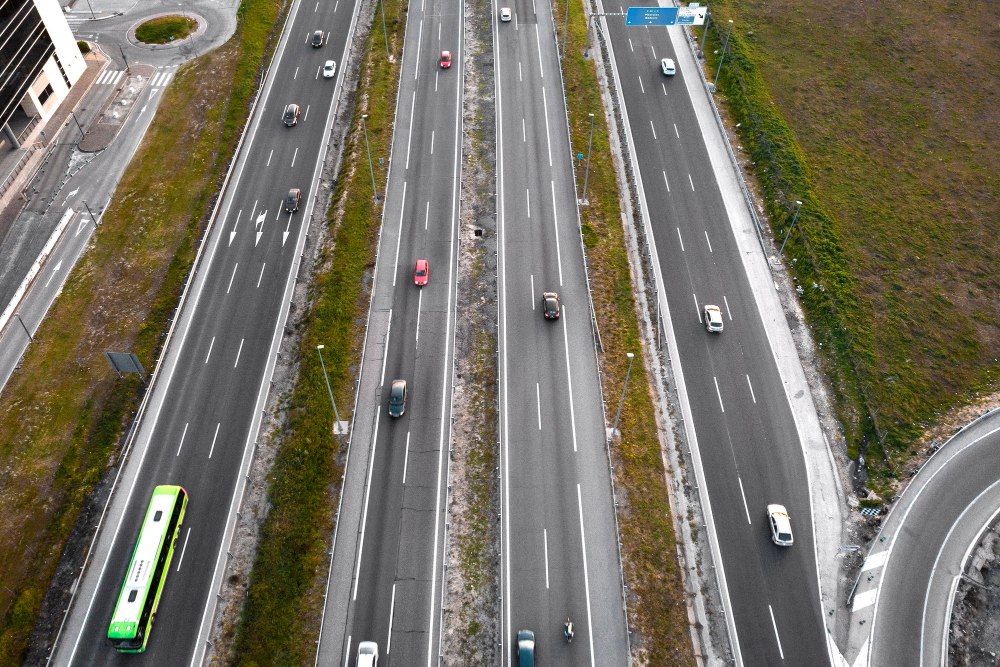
<point>975,618</point>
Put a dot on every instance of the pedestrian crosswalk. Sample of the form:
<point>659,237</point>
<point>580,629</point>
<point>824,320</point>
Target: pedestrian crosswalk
<point>112,77</point>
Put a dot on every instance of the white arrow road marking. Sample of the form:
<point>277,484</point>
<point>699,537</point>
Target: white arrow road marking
<point>54,272</point>
<point>70,195</point>
<point>284,234</point>
<point>260,226</point>
<point>232,234</point>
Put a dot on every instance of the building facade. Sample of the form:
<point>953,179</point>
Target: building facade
<point>39,62</point>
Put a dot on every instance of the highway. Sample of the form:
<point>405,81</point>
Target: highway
<point>907,583</point>
<point>203,412</point>
<point>560,556</point>
<point>386,571</point>
<point>740,424</point>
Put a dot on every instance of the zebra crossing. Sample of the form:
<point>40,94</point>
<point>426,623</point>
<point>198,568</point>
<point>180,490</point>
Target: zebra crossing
<point>111,77</point>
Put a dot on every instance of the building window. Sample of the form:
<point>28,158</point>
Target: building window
<point>45,94</point>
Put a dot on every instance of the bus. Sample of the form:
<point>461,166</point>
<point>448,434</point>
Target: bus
<point>140,594</point>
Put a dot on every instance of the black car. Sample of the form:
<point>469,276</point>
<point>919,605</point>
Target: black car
<point>397,398</point>
<point>525,648</point>
<point>290,116</point>
<point>317,39</point>
<point>293,200</point>
<point>550,305</point>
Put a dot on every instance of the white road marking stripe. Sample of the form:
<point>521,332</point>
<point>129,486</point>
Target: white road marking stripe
<point>183,435</point>
<point>776,637</point>
<point>746,508</point>
<point>545,542</point>
<point>680,239</point>
<point>187,536</point>
<point>718,393</point>
<point>231,278</point>
<point>210,346</point>
<point>214,438</point>
<point>238,352</point>
<point>751,390</point>
<point>875,560</point>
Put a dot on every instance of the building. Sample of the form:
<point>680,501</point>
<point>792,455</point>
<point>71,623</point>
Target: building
<point>39,63</point>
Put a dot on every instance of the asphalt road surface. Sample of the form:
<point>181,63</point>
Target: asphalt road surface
<point>745,432</point>
<point>560,556</point>
<point>202,416</point>
<point>921,550</point>
<point>386,571</point>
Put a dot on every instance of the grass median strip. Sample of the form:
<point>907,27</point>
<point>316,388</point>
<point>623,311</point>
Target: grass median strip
<point>63,411</point>
<point>280,621</point>
<point>656,606</point>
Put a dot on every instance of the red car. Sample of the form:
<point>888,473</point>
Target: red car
<point>421,273</point>
<point>445,61</point>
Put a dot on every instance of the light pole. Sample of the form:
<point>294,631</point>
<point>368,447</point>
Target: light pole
<point>339,427</point>
<point>73,115</point>
<point>614,429</point>
<point>798,207</point>
<point>385,35</point>
<point>565,30</point>
<point>704,33</point>
<point>586,48</point>
<point>25,327</point>
<point>96,223</point>
<point>723,58</point>
<point>590,145</point>
<point>371,169</point>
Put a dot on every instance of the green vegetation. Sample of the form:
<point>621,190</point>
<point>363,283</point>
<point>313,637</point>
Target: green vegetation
<point>281,619</point>
<point>883,123</point>
<point>657,608</point>
<point>83,46</point>
<point>165,29</point>
<point>63,411</point>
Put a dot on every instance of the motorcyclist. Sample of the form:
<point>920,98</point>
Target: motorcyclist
<point>568,630</point>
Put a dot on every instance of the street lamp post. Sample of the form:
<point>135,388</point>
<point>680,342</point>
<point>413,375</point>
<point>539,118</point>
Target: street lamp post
<point>385,35</point>
<point>590,145</point>
<point>92,217</point>
<point>339,427</point>
<point>704,33</point>
<point>25,327</point>
<point>614,429</point>
<point>73,116</point>
<point>565,30</point>
<point>795,218</point>
<point>723,58</point>
<point>586,48</point>
<point>371,169</point>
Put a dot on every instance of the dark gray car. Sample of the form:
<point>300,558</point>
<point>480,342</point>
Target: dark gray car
<point>397,398</point>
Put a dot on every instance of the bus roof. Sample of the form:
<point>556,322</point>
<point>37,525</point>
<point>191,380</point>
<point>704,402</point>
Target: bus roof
<point>125,621</point>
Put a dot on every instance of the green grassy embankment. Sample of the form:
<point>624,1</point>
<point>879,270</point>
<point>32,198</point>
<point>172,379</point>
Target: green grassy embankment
<point>657,607</point>
<point>884,124</point>
<point>165,29</point>
<point>280,621</point>
<point>64,410</point>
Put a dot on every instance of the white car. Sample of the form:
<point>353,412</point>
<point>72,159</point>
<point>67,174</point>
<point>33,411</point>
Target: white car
<point>713,318</point>
<point>505,14</point>
<point>781,525</point>
<point>367,654</point>
<point>668,67</point>
<point>329,69</point>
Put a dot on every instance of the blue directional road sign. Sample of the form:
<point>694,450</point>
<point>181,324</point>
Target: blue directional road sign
<point>651,16</point>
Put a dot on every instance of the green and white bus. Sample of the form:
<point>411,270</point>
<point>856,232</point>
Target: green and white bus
<point>140,594</point>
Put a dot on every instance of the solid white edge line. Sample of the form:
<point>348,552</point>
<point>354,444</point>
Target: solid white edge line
<point>364,511</point>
